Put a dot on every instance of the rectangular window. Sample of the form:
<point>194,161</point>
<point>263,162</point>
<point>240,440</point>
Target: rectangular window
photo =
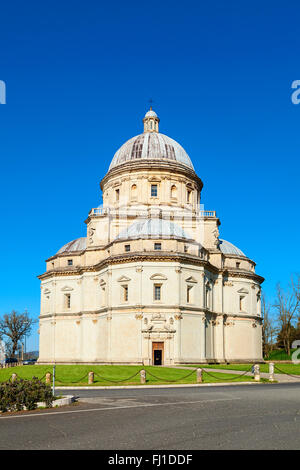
<point>188,195</point>
<point>70,262</point>
<point>67,300</point>
<point>117,194</point>
<point>242,302</point>
<point>153,190</point>
<point>189,294</point>
<point>238,265</point>
<point>207,297</point>
<point>127,247</point>
<point>125,293</point>
<point>157,246</point>
<point>186,249</point>
<point>103,296</point>
<point>157,292</point>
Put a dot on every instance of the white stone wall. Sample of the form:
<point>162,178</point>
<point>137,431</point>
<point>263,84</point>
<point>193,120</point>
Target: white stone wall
<point>105,328</point>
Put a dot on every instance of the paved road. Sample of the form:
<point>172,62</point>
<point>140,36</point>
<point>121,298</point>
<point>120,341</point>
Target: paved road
<point>260,416</point>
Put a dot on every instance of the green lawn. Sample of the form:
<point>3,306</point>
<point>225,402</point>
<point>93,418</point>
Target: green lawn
<point>279,355</point>
<point>279,368</point>
<point>118,375</point>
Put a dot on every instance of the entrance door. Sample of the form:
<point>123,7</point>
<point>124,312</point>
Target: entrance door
<point>157,354</point>
<point>157,357</point>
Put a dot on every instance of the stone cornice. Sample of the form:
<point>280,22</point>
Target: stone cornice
<point>243,274</point>
<point>151,256</point>
<point>131,258</point>
<point>175,309</point>
<point>149,165</point>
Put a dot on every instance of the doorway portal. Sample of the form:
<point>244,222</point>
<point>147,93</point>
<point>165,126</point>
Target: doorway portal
<point>157,354</point>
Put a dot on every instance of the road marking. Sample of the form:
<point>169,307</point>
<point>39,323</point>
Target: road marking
<point>144,405</point>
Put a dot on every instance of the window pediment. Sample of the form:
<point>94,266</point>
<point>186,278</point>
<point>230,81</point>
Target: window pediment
<point>154,179</point>
<point>191,279</point>
<point>67,289</point>
<point>158,277</point>
<point>124,279</point>
<point>243,291</point>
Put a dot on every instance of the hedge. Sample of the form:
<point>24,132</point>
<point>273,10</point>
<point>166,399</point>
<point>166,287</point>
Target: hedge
<point>23,394</point>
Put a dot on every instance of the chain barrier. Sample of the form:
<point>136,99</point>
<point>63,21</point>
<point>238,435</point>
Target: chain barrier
<point>44,376</point>
<point>286,373</point>
<point>235,378</point>
<point>159,378</point>
<point>166,380</point>
<point>69,381</point>
<point>116,381</point>
<point>22,378</point>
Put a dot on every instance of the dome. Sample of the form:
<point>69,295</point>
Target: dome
<point>153,228</point>
<point>151,113</point>
<point>151,146</point>
<point>75,245</point>
<point>229,249</point>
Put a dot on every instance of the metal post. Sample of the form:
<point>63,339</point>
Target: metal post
<point>53,387</point>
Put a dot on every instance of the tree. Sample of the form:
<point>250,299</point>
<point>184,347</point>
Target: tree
<point>268,328</point>
<point>15,326</point>
<point>287,305</point>
<point>296,289</point>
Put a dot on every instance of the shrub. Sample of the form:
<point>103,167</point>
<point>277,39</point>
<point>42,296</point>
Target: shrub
<point>14,396</point>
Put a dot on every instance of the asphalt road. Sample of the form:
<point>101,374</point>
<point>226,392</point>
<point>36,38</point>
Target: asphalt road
<point>233,417</point>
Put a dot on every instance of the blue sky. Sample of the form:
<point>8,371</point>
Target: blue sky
<point>79,77</point>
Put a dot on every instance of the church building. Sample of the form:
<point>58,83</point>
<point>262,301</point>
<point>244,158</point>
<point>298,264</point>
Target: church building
<point>152,282</point>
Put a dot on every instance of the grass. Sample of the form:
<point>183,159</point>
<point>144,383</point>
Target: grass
<point>280,355</point>
<point>284,368</point>
<point>68,375</point>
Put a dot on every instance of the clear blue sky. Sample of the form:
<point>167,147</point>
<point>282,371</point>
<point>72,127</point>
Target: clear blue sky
<point>79,76</point>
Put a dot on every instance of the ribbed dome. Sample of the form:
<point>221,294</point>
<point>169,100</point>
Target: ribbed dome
<point>151,146</point>
<point>153,228</point>
<point>75,245</point>
<point>151,113</point>
<point>229,249</point>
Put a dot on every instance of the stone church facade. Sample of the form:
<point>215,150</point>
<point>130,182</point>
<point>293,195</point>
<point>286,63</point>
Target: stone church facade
<point>152,282</point>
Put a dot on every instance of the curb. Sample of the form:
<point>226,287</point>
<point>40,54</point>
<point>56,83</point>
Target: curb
<point>67,400</point>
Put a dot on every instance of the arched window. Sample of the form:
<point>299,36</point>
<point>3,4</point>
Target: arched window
<point>134,192</point>
<point>189,196</point>
<point>173,192</point>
